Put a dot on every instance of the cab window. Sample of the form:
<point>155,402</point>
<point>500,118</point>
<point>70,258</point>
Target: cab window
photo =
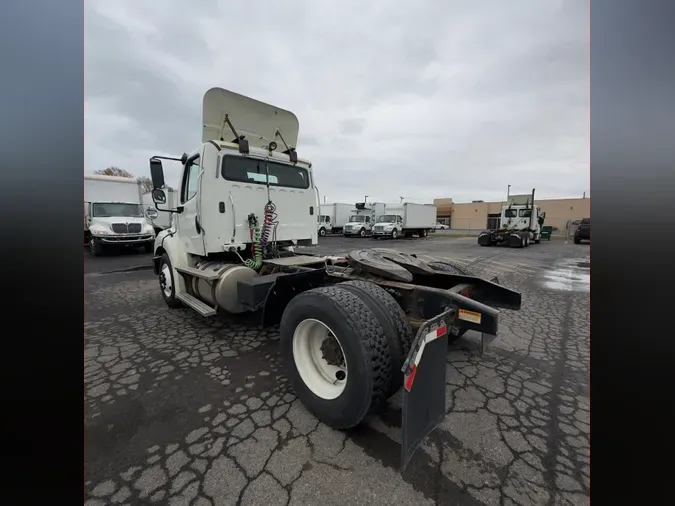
<point>525,213</point>
<point>510,213</point>
<point>190,181</point>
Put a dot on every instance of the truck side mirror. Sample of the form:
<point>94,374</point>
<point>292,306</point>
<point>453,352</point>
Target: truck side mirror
<point>158,196</point>
<point>157,175</point>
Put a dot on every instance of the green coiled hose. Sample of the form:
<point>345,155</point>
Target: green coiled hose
<point>254,263</point>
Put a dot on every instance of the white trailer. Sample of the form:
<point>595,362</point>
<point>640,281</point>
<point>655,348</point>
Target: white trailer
<point>160,220</point>
<point>338,213</point>
<point>406,219</point>
<point>113,214</point>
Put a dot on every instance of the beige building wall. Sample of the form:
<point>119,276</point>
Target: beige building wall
<point>443,210</point>
<point>561,211</point>
<point>474,216</point>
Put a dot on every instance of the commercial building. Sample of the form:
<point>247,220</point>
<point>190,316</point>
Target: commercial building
<point>478,215</point>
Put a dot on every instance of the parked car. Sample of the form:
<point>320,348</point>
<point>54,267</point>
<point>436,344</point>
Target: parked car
<point>583,231</point>
<point>441,226</point>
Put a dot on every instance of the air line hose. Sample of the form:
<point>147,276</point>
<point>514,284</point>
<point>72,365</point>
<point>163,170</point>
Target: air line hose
<point>256,249</point>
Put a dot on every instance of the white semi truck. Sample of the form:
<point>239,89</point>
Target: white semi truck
<point>113,214</point>
<point>338,214</point>
<point>354,330</point>
<point>520,224</point>
<point>362,219</point>
<point>405,220</point>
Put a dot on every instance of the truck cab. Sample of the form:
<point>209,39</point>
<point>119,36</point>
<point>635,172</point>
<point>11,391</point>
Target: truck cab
<point>520,224</point>
<point>388,225</point>
<point>358,224</point>
<point>243,192</point>
<point>324,225</point>
<point>114,215</point>
<point>517,217</point>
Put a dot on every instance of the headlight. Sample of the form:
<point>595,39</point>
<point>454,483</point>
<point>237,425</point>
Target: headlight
<point>100,231</point>
<point>147,229</point>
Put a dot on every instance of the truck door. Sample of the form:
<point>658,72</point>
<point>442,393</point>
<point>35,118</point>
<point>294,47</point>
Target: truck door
<point>187,222</point>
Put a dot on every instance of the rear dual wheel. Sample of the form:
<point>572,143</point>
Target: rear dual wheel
<point>343,347</point>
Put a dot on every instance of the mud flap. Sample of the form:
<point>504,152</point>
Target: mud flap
<point>424,384</point>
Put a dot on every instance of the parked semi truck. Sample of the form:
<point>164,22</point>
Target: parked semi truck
<point>405,220</point>
<point>354,330</point>
<point>338,213</point>
<point>113,214</point>
<point>363,218</point>
<point>520,224</point>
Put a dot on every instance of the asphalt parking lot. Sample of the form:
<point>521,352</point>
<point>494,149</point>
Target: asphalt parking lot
<point>184,410</point>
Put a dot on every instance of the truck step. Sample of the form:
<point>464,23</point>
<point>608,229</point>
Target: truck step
<point>196,304</point>
<point>197,273</point>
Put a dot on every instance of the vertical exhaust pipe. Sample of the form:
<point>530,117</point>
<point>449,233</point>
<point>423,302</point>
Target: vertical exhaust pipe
<point>532,210</point>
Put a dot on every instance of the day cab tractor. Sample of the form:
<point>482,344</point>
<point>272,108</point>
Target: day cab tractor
<point>354,330</point>
<point>520,224</point>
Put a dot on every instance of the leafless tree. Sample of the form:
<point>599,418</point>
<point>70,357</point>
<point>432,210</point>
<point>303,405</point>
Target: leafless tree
<point>113,171</point>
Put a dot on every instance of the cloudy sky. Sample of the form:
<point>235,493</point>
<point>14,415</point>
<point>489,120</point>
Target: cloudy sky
<point>419,99</point>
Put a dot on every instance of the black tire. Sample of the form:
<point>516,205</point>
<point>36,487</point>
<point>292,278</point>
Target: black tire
<point>394,234</point>
<point>322,232</point>
<point>362,232</point>
<point>424,233</point>
<point>171,299</point>
<point>148,247</point>
<point>365,348</point>
<point>527,241</point>
<point>577,241</point>
<point>393,321</point>
<point>96,248</point>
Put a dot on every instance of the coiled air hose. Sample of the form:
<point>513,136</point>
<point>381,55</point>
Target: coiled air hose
<point>269,223</point>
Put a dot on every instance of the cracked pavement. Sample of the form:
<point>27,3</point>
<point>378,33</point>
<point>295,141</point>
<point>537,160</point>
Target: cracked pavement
<point>186,410</point>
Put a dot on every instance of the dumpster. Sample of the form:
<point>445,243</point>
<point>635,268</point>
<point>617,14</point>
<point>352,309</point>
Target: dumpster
<point>546,232</point>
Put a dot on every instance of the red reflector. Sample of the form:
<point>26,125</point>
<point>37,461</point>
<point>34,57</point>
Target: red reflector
<point>410,378</point>
<point>440,331</point>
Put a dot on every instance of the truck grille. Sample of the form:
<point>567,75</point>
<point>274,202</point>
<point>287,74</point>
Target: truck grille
<point>123,228</point>
<point>379,228</point>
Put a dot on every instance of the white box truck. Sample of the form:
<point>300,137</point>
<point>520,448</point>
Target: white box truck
<point>362,219</point>
<point>160,220</point>
<point>406,219</point>
<point>338,213</point>
<point>113,214</point>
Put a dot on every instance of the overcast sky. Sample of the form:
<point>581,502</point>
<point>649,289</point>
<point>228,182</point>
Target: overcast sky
<point>422,99</point>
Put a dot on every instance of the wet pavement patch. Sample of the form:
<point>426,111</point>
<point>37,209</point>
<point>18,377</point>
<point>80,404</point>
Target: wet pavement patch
<point>569,276</point>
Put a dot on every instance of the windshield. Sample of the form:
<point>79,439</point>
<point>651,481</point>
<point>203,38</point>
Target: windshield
<point>357,219</point>
<point>116,210</point>
<point>250,170</point>
<point>387,218</point>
